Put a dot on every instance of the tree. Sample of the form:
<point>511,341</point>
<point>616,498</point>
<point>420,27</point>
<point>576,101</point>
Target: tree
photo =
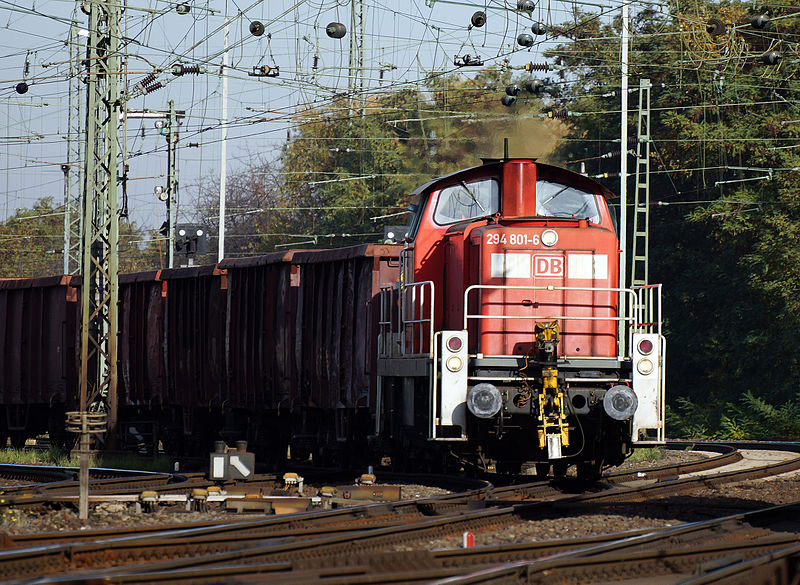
<point>345,174</point>
<point>338,173</point>
<point>256,215</point>
<point>32,243</point>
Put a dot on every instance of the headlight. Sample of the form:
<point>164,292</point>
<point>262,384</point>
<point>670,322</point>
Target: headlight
<point>644,366</point>
<point>620,402</point>
<point>484,400</point>
<point>454,363</point>
<point>549,238</point>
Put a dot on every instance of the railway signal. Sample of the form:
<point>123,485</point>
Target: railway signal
<point>190,239</point>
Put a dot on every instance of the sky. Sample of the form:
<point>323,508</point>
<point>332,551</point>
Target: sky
<point>404,41</point>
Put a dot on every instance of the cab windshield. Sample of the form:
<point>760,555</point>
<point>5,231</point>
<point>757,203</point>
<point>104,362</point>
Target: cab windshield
<point>467,201</point>
<point>560,200</point>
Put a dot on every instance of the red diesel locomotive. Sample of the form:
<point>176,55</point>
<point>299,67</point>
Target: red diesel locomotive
<point>503,342</point>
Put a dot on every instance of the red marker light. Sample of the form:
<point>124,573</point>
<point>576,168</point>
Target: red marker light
<point>645,346</point>
<point>454,343</point>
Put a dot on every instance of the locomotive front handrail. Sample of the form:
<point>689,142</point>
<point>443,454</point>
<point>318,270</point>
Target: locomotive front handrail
<point>644,306</point>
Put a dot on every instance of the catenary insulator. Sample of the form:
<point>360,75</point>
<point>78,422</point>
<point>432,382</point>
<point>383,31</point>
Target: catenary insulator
<point>772,57</point>
<point>537,67</point>
<point>183,8</point>
<point>538,28</point>
<point>525,40</point>
<point>179,69</point>
<point>335,30</point>
<point>715,27</point>
<point>147,79</point>
<point>478,19</point>
<point>760,22</point>
<point>513,89</point>
<point>256,28</point>
<point>526,5</point>
<point>508,100</point>
<point>153,87</point>
<point>22,87</point>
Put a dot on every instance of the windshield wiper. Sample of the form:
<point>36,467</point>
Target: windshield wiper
<point>478,203</point>
<point>556,194</point>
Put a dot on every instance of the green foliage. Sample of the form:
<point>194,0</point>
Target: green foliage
<point>689,421</point>
<point>646,454</point>
<point>749,418</point>
<point>32,243</point>
<point>51,456</point>
<point>58,458</point>
<point>337,174</point>
<point>754,418</point>
<point>344,174</point>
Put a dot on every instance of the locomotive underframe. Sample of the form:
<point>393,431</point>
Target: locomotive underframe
<point>510,439</point>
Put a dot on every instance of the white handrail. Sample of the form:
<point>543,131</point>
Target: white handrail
<point>643,312</point>
<point>419,302</point>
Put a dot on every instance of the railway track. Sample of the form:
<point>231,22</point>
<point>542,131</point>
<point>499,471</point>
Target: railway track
<point>296,547</point>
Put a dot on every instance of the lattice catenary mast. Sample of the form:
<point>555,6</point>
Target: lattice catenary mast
<point>73,174</point>
<point>100,260</point>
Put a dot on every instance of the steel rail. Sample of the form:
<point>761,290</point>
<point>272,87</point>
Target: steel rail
<point>207,539</point>
<point>726,535</point>
<point>183,549</point>
<point>624,555</point>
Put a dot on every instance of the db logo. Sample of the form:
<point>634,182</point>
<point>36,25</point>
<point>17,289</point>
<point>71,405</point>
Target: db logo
<point>552,266</point>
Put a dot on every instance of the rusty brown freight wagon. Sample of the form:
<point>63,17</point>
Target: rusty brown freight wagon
<point>277,349</point>
<point>38,373</point>
<point>301,344</point>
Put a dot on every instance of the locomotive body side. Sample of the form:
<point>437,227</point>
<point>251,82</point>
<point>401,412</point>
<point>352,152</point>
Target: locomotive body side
<point>509,328</point>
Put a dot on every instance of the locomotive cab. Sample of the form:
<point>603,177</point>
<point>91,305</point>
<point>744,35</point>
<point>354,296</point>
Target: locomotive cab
<point>503,338</point>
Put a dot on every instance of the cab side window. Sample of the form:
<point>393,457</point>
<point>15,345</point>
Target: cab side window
<point>467,201</point>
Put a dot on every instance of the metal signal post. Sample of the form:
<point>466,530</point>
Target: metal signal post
<point>623,180</point>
